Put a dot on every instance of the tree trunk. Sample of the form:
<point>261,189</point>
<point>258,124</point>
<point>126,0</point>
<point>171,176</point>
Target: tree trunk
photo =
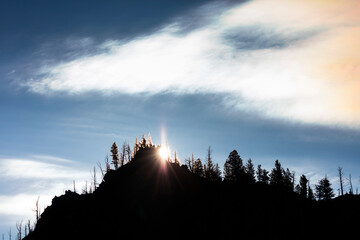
<point>341,173</point>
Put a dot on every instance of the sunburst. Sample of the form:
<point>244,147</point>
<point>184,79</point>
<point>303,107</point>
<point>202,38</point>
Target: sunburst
<point>164,153</point>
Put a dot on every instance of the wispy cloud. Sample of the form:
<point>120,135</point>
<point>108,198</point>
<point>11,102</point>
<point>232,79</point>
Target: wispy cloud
<point>23,180</point>
<point>33,169</point>
<point>21,205</point>
<point>283,59</point>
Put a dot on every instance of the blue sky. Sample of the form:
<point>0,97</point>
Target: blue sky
<point>273,80</point>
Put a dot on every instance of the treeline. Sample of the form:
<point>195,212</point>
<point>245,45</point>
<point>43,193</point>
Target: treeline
<point>125,154</point>
<point>235,170</point>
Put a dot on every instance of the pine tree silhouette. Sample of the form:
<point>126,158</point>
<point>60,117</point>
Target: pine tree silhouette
<point>262,175</point>
<point>276,175</point>
<point>115,155</point>
<point>233,167</point>
<point>323,190</point>
<point>250,171</point>
<point>198,168</point>
<point>303,186</point>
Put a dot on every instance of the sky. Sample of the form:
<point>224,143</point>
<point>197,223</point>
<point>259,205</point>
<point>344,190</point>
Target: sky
<point>273,79</point>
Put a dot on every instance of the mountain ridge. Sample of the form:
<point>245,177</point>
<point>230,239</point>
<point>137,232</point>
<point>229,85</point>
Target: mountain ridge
<point>152,198</point>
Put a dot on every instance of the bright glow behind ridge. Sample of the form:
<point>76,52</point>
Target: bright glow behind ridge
<point>164,152</point>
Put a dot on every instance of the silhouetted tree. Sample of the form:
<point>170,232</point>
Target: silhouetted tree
<point>262,175</point>
<point>188,164</point>
<point>123,154</point>
<point>143,142</point>
<point>135,147</point>
<point>351,191</point>
<point>276,175</point>
<point>341,180</point>
<point>211,173</point>
<point>29,226</point>
<point>303,186</point>
<point>19,228</point>
<point>323,190</point>
<point>250,171</point>
<point>217,173</point>
<point>191,163</point>
<point>176,159</point>
<point>233,167</point>
<point>25,230</point>
<point>115,155</point>
<point>128,153</point>
<point>198,168</point>
<point>107,163</point>
<point>94,179</point>
<point>85,189</point>
<point>37,211</point>
<point>101,171</point>
<point>209,164</point>
<point>74,186</point>
<point>310,192</point>
<point>192,160</point>
<point>289,179</point>
<point>149,140</point>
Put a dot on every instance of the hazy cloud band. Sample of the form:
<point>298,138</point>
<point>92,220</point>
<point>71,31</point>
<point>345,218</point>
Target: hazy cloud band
<point>287,60</point>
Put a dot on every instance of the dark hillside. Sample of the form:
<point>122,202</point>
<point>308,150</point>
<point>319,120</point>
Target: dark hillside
<point>150,198</point>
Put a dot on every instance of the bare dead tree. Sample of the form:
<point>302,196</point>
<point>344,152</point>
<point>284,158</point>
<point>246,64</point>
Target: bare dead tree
<point>341,180</point>
<point>188,163</point>
<point>94,179</point>
<point>37,211</point>
<point>192,163</point>
<point>19,229</point>
<point>123,153</point>
<point>29,226</point>
<point>350,184</point>
<point>128,152</point>
<point>74,186</point>
<point>85,189</point>
<point>107,163</point>
<point>101,170</point>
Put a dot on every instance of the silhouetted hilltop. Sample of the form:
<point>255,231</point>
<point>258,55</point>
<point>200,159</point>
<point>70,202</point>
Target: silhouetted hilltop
<point>151,198</point>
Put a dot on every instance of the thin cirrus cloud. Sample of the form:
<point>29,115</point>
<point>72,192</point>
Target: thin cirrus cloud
<point>33,169</point>
<point>23,180</point>
<point>283,59</point>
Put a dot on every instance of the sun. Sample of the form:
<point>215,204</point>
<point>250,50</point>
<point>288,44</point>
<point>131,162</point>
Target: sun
<point>164,152</point>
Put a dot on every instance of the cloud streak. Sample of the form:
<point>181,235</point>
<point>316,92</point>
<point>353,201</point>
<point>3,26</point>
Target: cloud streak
<point>33,169</point>
<point>279,58</point>
<point>23,180</point>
